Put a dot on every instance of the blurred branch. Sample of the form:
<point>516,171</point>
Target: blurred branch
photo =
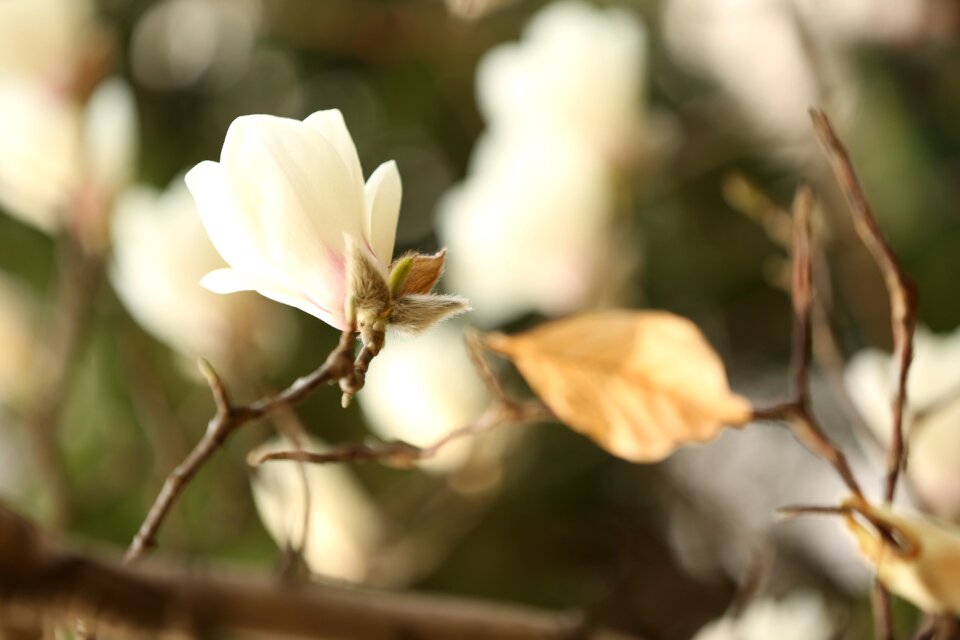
<point>797,412</point>
<point>40,582</point>
<point>338,367</point>
<point>80,275</point>
<point>903,299</point>
<point>402,454</point>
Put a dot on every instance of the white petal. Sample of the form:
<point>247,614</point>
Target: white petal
<point>227,281</point>
<point>110,135</point>
<point>384,192</point>
<point>330,125</point>
<point>298,187</point>
<point>231,281</point>
<point>233,229</point>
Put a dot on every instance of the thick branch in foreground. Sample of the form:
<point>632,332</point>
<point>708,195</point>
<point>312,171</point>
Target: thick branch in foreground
<point>39,583</point>
<point>903,303</point>
<point>338,365</point>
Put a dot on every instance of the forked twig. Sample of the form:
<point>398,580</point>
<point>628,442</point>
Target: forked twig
<point>338,366</point>
<point>903,299</point>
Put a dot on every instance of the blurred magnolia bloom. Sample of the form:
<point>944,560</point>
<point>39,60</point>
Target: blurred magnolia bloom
<point>422,388</point>
<point>62,163</point>
<point>160,253</point>
<point>344,527</point>
<point>755,51</point>
<point>580,71</point>
<point>798,616</point>
<point>733,487</point>
<point>17,337</point>
<point>66,151</point>
<point>856,21</point>
<point>529,229</point>
<point>288,210</point>
<point>44,38</point>
<point>932,416</point>
<point>180,43</point>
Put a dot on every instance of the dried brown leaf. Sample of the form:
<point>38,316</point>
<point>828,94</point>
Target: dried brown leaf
<point>923,567</point>
<point>640,383</point>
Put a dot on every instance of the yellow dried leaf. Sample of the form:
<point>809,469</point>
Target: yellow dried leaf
<point>924,567</point>
<point>640,383</point>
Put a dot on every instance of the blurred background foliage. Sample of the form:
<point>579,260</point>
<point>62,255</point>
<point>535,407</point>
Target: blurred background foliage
<point>561,523</point>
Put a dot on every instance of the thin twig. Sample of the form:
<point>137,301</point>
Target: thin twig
<point>402,454</point>
<point>802,294</point>
<point>227,419</point>
<point>798,412</point>
<point>79,279</point>
<point>903,303</point>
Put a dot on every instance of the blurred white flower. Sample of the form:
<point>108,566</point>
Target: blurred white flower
<point>18,337</point>
<point>755,52</point>
<point>43,38</point>
<point>179,43</point>
<point>344,526</point>
<point>65,156</point>
<point>529,228</point>
<point>161,252</point>
<point>579,71</point>
<point>280,203</point>
<point>933,389</point>
<point>60,158</point>
<point>798,616</point>
<point>420,389</point>
<point>774,59</point>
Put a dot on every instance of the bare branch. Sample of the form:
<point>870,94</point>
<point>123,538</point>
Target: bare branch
<point>401,454</point>
<point>802,293</point>
<point>229,418</point>
<point>40,583</point>
<point>903,303</point>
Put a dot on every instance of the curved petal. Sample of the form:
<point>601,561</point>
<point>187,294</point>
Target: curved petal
<point>232,281</point>
<point>331,126</point>
<point>384,192</point>
<point>234,231</point>
<point>297,185</point>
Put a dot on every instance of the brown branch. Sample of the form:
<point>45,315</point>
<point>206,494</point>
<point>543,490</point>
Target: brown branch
<point>802,293</point>
<point>903,303</point>
<point>227,419</point>
<point>40,583</point>
<point>797,412</point>
<point>79,279</point>
<point>401,454</point>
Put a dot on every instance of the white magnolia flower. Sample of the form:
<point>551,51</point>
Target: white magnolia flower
<point>933,389</point>
<point>43,38</point>
<point>798,616</point>
<point>421,389</point>
<point>755,52</point>
<point>60,157</point>
<point>63,153</point>
<point>288,210</point>
<point>529,228</point>
<point>344,526</point>
<point>580,71</point>
<point>161,252</point>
